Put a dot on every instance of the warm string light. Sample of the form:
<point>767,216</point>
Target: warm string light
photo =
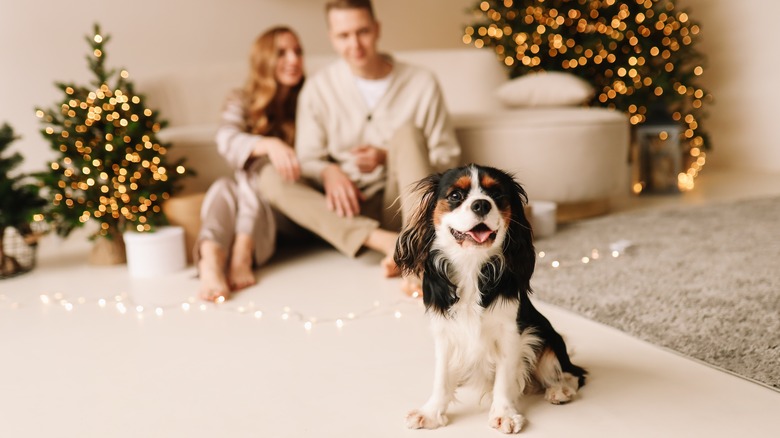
<point>124,305</point>
<point>635,52</point>
<point>616,249</point>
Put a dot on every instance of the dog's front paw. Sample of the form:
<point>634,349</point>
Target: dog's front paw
<point>507,423</point>
<point>419,420</point>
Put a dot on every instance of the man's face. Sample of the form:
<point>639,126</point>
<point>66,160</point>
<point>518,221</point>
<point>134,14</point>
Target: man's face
<point>353,33</point>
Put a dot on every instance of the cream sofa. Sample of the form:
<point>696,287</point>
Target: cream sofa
<point>573,156</point>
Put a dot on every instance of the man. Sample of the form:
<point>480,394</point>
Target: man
<point>367,127</point>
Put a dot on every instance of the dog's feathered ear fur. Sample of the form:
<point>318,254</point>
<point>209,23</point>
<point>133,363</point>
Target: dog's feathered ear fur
<point>414,244</point>
<point>511,277</point>
<point>413,253</point>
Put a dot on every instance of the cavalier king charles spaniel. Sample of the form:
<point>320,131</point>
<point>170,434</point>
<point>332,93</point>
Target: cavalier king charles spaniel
<point>472,245</point>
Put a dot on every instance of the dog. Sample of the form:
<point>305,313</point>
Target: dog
<point>472,245</point>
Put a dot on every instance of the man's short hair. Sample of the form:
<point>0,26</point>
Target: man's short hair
<point>350,4</point>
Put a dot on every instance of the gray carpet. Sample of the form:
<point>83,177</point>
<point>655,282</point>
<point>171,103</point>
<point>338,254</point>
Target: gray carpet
<point>703,280</point>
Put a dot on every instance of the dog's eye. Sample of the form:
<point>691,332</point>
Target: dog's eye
<point>455,196</point>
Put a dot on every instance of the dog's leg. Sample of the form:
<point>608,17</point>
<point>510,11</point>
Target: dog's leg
<point>433,413</point>
<point>560,386</point>
<point>511,370</point>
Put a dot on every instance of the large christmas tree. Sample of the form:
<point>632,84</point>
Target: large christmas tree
<point>639,54</point>
<point>110,166</point>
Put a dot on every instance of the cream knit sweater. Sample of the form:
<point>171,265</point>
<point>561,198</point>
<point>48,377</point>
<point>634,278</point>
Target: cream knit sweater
<point>333,118</point>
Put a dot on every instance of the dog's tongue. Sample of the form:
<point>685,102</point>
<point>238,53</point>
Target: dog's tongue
<point>480,234</point>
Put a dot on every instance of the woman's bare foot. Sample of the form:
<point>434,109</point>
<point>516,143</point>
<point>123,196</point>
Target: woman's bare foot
<point>384,242</point>
<point>240,274</point>
<point>211,270</point>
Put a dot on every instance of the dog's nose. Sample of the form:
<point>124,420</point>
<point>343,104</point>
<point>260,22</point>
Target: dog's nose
<point>480,207</point>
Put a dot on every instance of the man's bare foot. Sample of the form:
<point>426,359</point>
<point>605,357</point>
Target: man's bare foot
<point>211,270</point>
<point>389,267</point>
<point>384,242</point>
<point>411,286</point>
<point>240,274</point>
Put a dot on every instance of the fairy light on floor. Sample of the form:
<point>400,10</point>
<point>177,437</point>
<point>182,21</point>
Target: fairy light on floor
<point>616,249</point>
<point>122,303</point>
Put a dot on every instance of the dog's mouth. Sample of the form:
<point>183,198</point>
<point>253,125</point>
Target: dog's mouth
<point>479,235</point>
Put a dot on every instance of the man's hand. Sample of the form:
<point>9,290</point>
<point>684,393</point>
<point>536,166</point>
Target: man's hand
<point>341,194</point>
<point>282,157</point>
<point>369,157</point>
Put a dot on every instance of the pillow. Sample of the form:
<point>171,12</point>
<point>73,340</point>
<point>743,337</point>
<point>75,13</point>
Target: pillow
<point>545,89</point>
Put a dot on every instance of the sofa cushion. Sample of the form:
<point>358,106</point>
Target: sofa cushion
<point>468,77</point>
<point>545,89</point>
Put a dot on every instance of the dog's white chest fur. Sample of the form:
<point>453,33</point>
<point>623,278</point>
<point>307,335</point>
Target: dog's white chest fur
<point>476,337</point>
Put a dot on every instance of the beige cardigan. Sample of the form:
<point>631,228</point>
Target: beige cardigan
<point>333,118</point>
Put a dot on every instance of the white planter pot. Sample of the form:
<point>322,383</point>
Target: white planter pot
<point>155,253</point>
<point>543,218</point>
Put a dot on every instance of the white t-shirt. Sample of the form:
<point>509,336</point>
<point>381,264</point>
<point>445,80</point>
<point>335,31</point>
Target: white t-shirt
<point>372,89</point>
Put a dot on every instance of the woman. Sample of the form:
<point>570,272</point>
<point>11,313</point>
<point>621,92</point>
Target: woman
<point>239,227</point>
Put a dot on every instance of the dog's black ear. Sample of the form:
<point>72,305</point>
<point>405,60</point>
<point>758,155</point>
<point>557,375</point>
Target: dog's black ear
<point>438,290</point>
<point>519,246</point>
<point>414,243</point>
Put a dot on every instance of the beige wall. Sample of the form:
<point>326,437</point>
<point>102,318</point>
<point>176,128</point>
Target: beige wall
<point>740,40</point>
<point>42,42</point>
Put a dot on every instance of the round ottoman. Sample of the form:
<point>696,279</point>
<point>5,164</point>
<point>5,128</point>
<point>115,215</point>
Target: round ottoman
<point>573,156</point>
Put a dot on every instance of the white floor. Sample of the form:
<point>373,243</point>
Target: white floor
<point>70,367</point>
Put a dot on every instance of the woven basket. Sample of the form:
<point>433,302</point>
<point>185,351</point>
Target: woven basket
<point>18,253</point>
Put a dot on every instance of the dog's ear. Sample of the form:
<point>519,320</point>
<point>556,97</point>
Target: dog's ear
<point>519,246</point>
<point>414,243</point>
<point>438,291</point>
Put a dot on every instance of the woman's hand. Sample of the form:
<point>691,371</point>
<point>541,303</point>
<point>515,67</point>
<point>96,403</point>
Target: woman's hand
<point>282,157</point>
<point>341,194</point>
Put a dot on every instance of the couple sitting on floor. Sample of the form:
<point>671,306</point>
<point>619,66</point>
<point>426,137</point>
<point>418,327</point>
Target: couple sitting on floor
<point>330,158</point>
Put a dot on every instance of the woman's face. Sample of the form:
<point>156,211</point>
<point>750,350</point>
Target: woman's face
<point>289,62</point>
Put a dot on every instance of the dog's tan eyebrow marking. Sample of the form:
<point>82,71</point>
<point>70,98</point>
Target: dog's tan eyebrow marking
<point>463,183</point>
<point>488,182</point>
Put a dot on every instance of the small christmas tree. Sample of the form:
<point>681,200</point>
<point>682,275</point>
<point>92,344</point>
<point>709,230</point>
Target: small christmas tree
<point>111,167</point>
<point>20,206</point>
<point>639,54</point>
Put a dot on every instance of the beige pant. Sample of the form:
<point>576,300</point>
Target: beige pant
<point>407,162</point>
<point>232,207</point>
